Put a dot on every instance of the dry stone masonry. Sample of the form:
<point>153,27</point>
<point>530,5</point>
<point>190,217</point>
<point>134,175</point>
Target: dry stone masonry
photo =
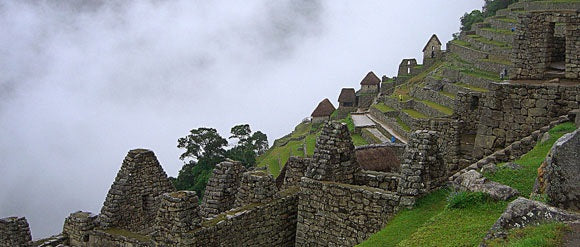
<point>78,226</point>
<point>295,168</point>
<point>221,189</point>
<point>256,187</point>
<point>178,214</point>
<point>14,231</point>
<point>133,199</point>
<point>334,158</point>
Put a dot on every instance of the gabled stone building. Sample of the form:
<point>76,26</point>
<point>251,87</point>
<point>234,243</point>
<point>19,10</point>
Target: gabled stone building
<point>431,51</point>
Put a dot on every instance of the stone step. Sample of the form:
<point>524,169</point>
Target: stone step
<point>374,136</point>
<point>483,44</point>
<point>412,118</point>
<point>388,124</point>
<point>502,22</point>
<point>485,30</point>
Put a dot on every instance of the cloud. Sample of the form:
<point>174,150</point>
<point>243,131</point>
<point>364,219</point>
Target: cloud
<point>82,82</point>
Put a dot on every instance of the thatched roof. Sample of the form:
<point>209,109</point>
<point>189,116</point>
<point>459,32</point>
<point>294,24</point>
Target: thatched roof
<point>370,79</point>
<point>324,109</point>
<point>347,95</point>
<point>432,37</point>
<point>381,158</point>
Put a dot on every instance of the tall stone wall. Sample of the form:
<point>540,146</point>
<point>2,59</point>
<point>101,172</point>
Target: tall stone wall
<point>271,224</point>
<point>178,214</point>
<point>512,111</point>
<point>334,158</point>
<point>221,189</point>
<point>15,231</point>
<point>423,168</point>
<point>333,214</point>
<point>295,168</point>
<point>467,110</point>
<point>133,199</point>
<point>448,143</point>
<point>536,44</point>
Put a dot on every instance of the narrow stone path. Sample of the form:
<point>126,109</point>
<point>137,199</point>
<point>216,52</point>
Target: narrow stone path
<point>362,121</point>
<point>389,129</point>
<point>378,134</point>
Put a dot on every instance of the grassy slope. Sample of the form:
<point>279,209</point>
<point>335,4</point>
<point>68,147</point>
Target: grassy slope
<point>430,223</point>
<point>293,145</point>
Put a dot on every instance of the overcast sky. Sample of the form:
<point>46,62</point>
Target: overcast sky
<point>83,82</point>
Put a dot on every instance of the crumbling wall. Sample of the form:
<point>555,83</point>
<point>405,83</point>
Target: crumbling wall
<point>423,168</point>
<point>256,187</point>
<point>221,189</point>
<point>78,226</point>
<point>407,68</point>
<point>334,158</point>
<point>295,168</point>
<point>512,111</point>
<point>133,199</point>
<point>178,214</point>
<point>257,224</point>
<point>15,231</point>
<point>334,214</point>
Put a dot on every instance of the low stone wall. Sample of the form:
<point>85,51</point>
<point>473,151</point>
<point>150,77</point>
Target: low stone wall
<point>334,214</point>
<point>467,109</point>
<point>431,95</point>
<point>499,24</point>
<point>15,231</point>
<point>497,36</point>
<point>414,123</point>
<point>118,238</point>
<point>425,109</point>
<point>513,151</point>
<point>544,5</point>
<point>512,111</point>
<point>52,241</point>
<point>272,224</point>
<point>369,137</point>
<point>466,53</point>
<point>77,227</point>
<point>380,180</point>
<point>365,100</point>
<point>486,47</point>
<point>476,81</point>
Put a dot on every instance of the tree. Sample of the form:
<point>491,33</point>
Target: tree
<point>242,133</point>
<point>467,20</point>
<point>202,143</point>
<point>260,142</point>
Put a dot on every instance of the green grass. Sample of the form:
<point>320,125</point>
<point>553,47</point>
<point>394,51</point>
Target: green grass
<point>349,123</point>
<point>382,107</point>
<point>495,30</point>
<point>374,139</point>
<point>414,114</point>
<point>448,94</point>
<point>431,223</point>
<point>403,125</point>
<point>473,88</point>
<point>523,179</point>
<point>498,61</point>
<point>509,20</point>
<point>423,74</point>
<point>444,109</point>
<point>542,235</point>
<point>489,42</point>
<point>461,43</point>
<point>358,140</point>
<point>408,221</point>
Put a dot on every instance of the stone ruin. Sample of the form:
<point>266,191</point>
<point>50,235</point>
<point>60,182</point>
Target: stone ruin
<point>249,207</point>
<point>14,231</point>
<point>221,189</point>
<point>542,53</point>
<point>133,199</point>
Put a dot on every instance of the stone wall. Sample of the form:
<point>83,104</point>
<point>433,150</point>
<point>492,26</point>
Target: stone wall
<point>381,180</point>
<point>178,214</point>
<point>407,68</point>
<point>15,231</point>
<point>256,187</point>
<point>512,111</point>
<point>423,168</point>
<point>333,214</point>
<point>365,100</point>
<point>271,224</point>
<point>467,110</point>
<point>115,237</point>
<point>334,158</point>
<point>536,44</point>
<point>221,189</point>
<point>295,168</point>
<point>432,95</point>
<point>133,199</point>
<point>78,226</point>
<point>448,142</point>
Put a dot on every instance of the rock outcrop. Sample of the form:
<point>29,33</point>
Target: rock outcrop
<point>558,175</point>
<point>475,182</point>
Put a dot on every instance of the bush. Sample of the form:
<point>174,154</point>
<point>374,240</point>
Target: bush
<point>467,20</point>
<point>465,199</point>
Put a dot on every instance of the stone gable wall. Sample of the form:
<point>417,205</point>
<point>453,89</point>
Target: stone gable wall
<point>15,231</point>
<point>221,189</point>
<point>334,214</point>
<point>133,198</point>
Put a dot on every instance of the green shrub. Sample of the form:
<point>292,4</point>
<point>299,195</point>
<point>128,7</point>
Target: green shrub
<point>465,199</point>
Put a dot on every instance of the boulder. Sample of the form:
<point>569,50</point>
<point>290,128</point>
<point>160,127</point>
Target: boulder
<point>558,175</point>
<point>523,212</point>
<point>475,182</point>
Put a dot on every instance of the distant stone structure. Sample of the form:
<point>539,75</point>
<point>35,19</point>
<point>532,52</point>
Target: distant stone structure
<point>370,88</point>
<point>431,51</point>
<point>407,68</point>
<point>346,102</point>
<point>323,111</point>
